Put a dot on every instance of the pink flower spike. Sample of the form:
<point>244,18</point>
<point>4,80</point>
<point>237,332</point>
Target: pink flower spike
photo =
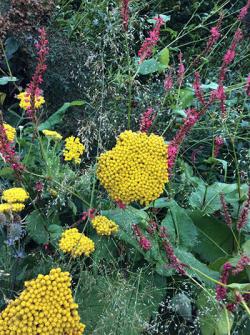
<point>227,216</point>
<point>145,243</point>
<point>168,82</point>
<point>248,86</point>
<point>120,204</point>
<point>221,291</point>
<point>218,141</point>
<point>150,42</point>
<point>242,221</point>
<point>244,11</point>
<point>181,69</point>
<point>147,120</point>
<point>125,14</point>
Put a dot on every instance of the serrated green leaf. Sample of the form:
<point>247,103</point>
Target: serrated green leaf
<point>149,66</point>
<point>55,231</point>
<point>36,227</point>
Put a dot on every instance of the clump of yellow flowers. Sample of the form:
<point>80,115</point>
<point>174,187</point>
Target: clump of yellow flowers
<point>54,135</point>
<point>76,243</point>
<point>104,226</point>
<point>46,306</point>
<point>10,132</point>
<point>15,194</point>
<point>135,169</point>
<point>14,198</point>
<point>73,149</point>
<point>24,98</point>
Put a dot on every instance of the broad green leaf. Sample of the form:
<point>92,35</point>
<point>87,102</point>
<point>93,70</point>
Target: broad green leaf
<point>36,227</point>
<point>55,231</point>
<point>2,98</point>
<point>213,235</point>
<point>179,223</point>
<point>182,305</point>
<point>6,80</point>
<point>159,203</point>
<point>240,287</point>
<point>224,323</point>
<point>246,248</point>
<point>11,46</point>
<point>149,66</point>
<point>186,98</point>
<point>164,56</point>
<point>194,264</point>
<point>57,117</point>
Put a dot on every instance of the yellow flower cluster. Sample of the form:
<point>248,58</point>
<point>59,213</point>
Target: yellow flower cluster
<point>73,149</point>
<point>46,306</point>
<point>6,208</point>
<point>10,132</point>
<point>75,243</point>
<point>15,194</point>
<point>135,169</point>
<point>54,135</point>
<point>24,98</point>
<point>14,198</point>
<point>104,226</point>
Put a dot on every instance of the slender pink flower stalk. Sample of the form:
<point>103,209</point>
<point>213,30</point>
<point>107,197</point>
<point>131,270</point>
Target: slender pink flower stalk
<point>218,143</point>
<point>168,82</point>
<point>125,14</point>
<point>146,49</point>
<point>89,214</point>
<point>215,34</point>
<point>120,204</point>
<point>181,70</point>
<point>33,88</point>
<point>226,213</point>
<point>197,88</point>
<point>242,221</point>
<point>244,11</point>
<point>145,244</point>
<point>221,291</point>
<point>241,265</point>
<point>147,120</point>
<point>248,86</point>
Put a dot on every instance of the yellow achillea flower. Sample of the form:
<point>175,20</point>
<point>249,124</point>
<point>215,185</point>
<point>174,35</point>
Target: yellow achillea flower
<point>10,132</point>
<point>73,149</point>
<point>104,226</point>
<point>24,98</point>
<point>46,306</point>
<point>52,134</point>
<point>7,208</point>
<point>135,169</point>
<point>15,194</point>
<point>75,243</point>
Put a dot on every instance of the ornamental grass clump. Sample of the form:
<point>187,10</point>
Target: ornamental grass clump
<point>104,226</point>
<point>135,169</point>
<point>46,306</point>
<point>76,243</point>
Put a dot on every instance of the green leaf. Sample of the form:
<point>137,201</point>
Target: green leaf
<point>11,46</point>
<point>213,235</point>
<point>246,248</point>
<point>6,172</point>
<point>55,231</point>
<point>181,304</point>
<point>36,227</point>
<point>179,223</point>
<point>6,80</point>
<point>240,287</point>
<point>224,323</point>
<point>2,98</point>
<point>186,98</point>
<point>189,259</point>
<point>165,18</point>
<point>159,203</point>
<point>57,117</point>
<point>163,56</point>
<point>149,66</point>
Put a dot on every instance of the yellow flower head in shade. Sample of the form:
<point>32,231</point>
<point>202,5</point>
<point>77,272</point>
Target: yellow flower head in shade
<point>46,307</point>
<point>104,226</point>
<point>75,243</point>
<point>7,208</point>
<point>73,149</point>
<point>135,169</point>
<point>15,194</point>
<point>10,132</point>
<point>54,135</point>
<point>24,98</point>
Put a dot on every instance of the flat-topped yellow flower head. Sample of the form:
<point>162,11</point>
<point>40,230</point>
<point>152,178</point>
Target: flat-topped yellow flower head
<point>104,226</point>
<point>54,135</point>
<point>15,194</point>
<point>46,306</point>
<point>135,169</point>
<point>73,149</point>
<point>75,243</point>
